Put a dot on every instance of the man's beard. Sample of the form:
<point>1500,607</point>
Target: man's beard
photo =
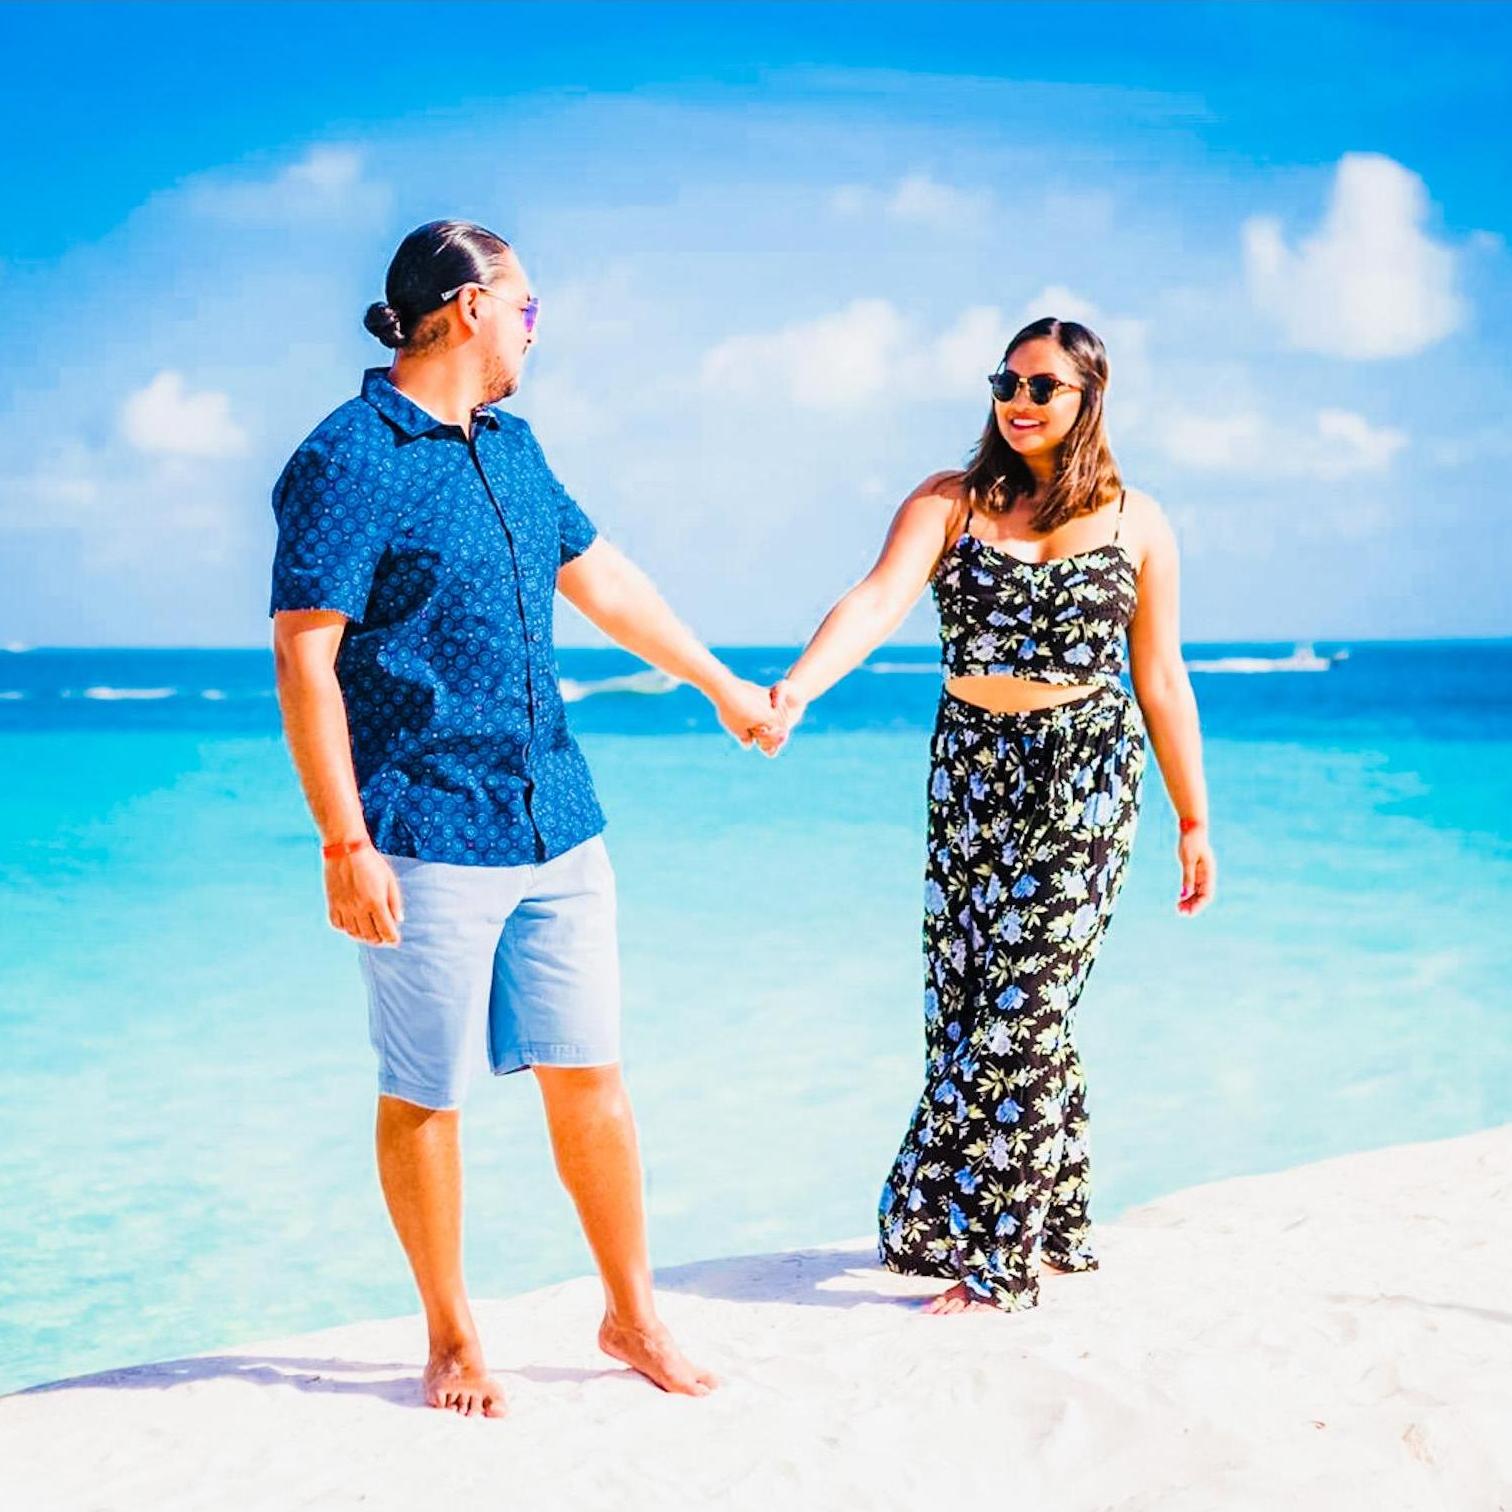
<point>500,384</point>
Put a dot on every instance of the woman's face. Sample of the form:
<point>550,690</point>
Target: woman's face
<point>1036,429</point>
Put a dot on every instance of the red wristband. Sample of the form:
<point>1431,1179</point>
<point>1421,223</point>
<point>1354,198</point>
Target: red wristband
<point>343,847</point>
<point>1191,824</point>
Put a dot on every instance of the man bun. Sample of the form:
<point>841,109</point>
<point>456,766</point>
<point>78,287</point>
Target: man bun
<point>384,323</point>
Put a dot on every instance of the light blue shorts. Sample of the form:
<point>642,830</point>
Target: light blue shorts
<point>518,965</point>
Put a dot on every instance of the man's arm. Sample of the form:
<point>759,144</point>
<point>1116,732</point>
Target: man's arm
<point>608,589</point>
<point>362,892</point>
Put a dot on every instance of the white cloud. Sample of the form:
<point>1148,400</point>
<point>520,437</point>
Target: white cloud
<point>1334,444</point>
<point>62,488</point>
<point>922,198</point>
<point>1370,282</point>
<point>832,363</point>
<point>870,352</point>
<point>166,418</point>
<point>866,352</point>
<point>327,182</point>
<point>958,361</point>
<point>918,197</point>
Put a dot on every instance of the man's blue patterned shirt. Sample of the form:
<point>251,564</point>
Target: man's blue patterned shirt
<point>442,551</point>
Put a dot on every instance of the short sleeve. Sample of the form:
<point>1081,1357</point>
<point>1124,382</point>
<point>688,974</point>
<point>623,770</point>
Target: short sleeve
<point>575,531</point>
<point>329,536</point>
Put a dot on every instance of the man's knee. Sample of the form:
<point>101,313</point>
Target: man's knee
<point>401,1114</point>
<point>586,1090</point>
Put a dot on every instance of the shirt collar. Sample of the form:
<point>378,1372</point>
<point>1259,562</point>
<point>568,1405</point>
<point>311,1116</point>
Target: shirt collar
<point>397,407</point>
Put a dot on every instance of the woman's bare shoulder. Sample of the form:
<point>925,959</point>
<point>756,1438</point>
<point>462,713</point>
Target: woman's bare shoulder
<point>1144,511</point>
<point>1146,526</point>
<point>948,485</point>
<point>941,497</point>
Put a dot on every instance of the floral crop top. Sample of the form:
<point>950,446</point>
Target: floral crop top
<point>1063,620</point>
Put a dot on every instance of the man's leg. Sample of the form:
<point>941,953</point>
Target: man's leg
<point>556,1009</point>
<point>593,1139</point>
<point>428,1013</point>
<point>420,1167</point>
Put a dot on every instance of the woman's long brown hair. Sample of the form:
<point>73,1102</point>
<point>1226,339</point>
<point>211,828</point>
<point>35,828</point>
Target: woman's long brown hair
<point>1086,476</point>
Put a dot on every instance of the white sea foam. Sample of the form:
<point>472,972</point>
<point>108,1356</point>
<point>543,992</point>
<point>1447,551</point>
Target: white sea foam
<point>138,694</point>
<point>11,695</point>
<point>16,647</point>
<point>652,680</point>
<point>215,695</point>
<point>891,668</point>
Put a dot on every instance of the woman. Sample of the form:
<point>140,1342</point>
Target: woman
<point>1041,564</point>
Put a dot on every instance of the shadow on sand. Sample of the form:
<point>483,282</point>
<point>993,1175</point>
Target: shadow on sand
<point>845,1276</point>
<point>397,1381</point>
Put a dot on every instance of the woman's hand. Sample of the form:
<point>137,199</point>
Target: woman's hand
<point>789,705</point>
<point>1199,870</point>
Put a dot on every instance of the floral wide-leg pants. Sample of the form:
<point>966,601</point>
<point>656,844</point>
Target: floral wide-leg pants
<point>1031,821</point>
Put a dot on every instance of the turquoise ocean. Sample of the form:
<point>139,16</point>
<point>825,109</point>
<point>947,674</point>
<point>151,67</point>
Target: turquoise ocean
<point>186,1087</point>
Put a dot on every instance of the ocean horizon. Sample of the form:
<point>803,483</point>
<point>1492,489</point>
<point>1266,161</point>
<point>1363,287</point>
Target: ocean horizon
<point>185,1058</point>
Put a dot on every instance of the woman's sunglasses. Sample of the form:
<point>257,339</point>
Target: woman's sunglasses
<point>528,311</point>
<point>1043,387</point>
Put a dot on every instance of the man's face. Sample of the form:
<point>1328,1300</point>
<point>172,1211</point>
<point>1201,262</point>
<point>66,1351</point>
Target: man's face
<point>502,329</point>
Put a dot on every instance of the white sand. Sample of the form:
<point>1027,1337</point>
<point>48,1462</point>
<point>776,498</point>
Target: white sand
<point>1333,1337</point>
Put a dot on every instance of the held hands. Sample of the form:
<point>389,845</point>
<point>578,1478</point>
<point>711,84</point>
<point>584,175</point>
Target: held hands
<point>745,710</point>
<point>362,897</point>
<point>763,717</point>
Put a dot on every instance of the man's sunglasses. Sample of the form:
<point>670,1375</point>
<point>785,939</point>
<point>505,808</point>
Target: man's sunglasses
<point>1043,387</point>
<point>528,311</point>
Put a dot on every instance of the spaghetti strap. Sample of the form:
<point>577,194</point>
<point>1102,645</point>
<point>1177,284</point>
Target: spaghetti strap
<point>1118,519</point>
<point>966,526</point>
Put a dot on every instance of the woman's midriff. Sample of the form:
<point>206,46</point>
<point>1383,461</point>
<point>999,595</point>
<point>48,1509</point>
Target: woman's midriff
<point>1012,695</point>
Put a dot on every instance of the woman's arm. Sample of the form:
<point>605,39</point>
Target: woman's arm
<point>607,588</point>
<point>1169,706</point>
<point>865,616</point>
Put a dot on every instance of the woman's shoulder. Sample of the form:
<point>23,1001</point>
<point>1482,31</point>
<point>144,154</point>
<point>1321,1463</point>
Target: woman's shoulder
<point>1143,510</point>
<point>1144,524</point>
<point>949,485</point>
<point>941,497</point>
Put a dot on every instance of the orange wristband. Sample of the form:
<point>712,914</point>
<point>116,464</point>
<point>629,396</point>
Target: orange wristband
<point>343,847</point>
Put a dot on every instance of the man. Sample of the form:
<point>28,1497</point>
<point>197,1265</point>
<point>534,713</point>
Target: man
<point>421,536</point>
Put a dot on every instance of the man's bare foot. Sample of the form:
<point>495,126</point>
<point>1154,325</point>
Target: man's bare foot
<point>652,1351</point>
<point>1055,1270</point>
<point>959,1298</point>
<point>456,1377</point>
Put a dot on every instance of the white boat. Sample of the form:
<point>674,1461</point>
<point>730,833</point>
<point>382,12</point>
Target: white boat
<point>1302,659</point>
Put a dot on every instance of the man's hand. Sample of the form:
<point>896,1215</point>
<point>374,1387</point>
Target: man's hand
<point>362,897</point>
<point>745,710</point>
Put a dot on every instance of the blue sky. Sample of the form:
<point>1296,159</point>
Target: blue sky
<point>778,248</point>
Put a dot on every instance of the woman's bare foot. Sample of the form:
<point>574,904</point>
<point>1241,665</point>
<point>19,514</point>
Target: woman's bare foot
<point>456,1377</point>
<point>959,1298</point>
<point>651,1350</point>
<point>1055,1270</point>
